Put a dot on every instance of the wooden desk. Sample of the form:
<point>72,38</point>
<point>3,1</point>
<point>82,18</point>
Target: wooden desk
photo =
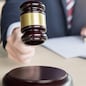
<point>76,67</point>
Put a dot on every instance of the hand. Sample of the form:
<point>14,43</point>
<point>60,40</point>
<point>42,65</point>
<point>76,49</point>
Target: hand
<point>16,49</point>
<point>83,32</point>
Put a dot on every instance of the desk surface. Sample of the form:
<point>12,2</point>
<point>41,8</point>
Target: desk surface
<point>76,67</point>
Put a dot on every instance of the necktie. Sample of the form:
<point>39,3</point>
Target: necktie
<point>69,9</point>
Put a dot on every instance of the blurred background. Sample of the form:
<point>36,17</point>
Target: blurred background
<point>1,5</point>
<point>2,51</point>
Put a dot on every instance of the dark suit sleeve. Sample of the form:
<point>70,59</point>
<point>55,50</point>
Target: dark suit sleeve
<point>56,24</point>
<point>10,14</point>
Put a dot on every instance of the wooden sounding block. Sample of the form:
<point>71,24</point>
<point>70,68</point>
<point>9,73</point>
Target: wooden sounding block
<point>37,76</point>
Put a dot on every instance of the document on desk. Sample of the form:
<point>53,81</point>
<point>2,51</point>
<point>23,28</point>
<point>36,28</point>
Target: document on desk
<point>67,47</point>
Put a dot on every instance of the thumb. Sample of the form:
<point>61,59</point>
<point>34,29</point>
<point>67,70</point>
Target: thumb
<point>83,31</point>
<point>16,34</point>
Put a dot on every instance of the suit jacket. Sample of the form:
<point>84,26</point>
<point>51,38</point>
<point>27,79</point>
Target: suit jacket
<point>55,15</point>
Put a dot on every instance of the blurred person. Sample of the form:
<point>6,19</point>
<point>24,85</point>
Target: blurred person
<point>64,18</point>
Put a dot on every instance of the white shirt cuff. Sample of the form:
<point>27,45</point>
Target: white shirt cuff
<point>12,27</point>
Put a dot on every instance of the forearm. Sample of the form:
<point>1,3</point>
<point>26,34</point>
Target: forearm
<point>10,14</point>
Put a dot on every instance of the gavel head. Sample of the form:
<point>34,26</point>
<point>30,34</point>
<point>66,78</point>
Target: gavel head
<point>33,22</point>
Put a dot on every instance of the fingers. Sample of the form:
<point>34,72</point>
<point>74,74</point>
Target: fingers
<point>22,48</point>
<point>17,50</point>
<point>11,53</point>
<point>18,56</point>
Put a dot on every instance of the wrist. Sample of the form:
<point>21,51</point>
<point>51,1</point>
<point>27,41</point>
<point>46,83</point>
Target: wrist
<point>12,27</point>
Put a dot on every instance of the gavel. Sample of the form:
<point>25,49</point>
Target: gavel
<point>33,22</point>
<point>33,27</point>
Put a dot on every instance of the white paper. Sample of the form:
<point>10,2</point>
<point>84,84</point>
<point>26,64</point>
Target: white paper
<point>72,46</point>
